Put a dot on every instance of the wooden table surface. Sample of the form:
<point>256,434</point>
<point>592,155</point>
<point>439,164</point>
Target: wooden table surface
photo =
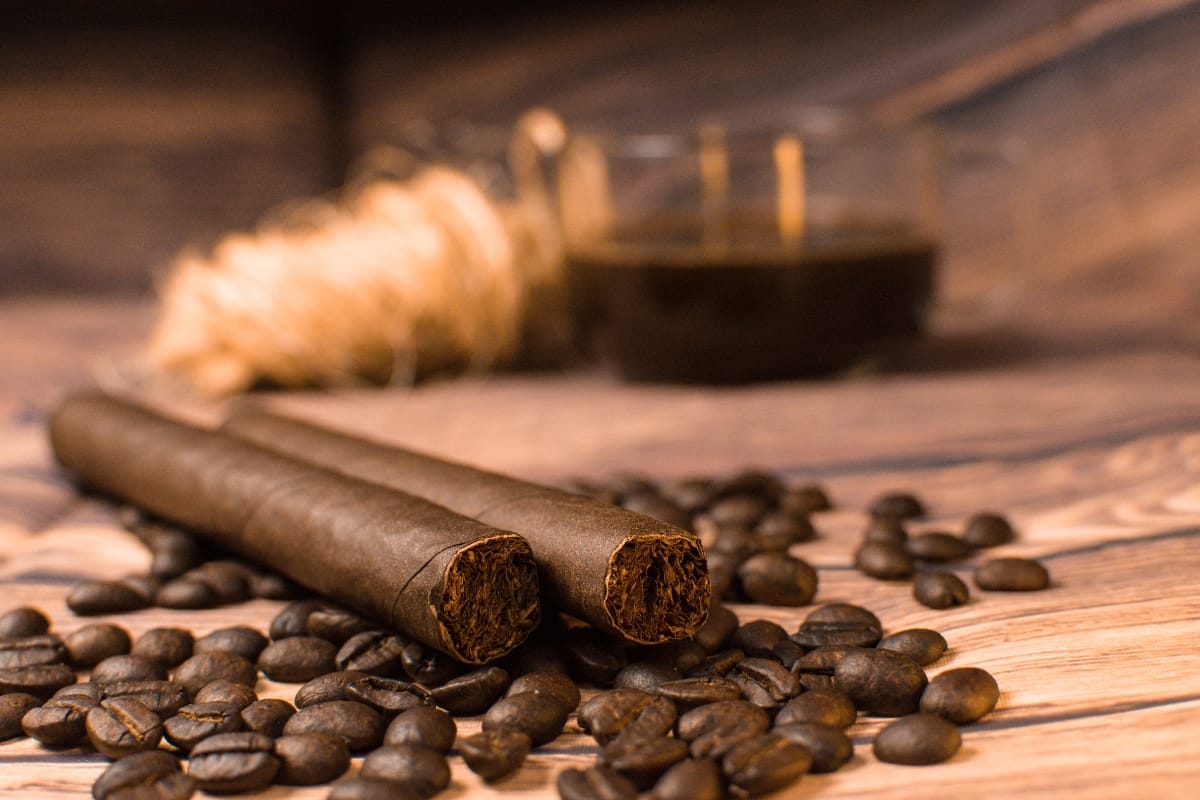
<point>1095,455</point>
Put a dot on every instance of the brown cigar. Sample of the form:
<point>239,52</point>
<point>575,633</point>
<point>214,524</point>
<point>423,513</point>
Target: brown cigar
<point>620,571</point>
<point>456,584</point>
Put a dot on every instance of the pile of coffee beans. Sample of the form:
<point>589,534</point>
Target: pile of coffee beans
<point>741,708</point>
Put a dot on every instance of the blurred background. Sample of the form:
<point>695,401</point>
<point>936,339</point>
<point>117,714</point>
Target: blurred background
<point>133,128</point>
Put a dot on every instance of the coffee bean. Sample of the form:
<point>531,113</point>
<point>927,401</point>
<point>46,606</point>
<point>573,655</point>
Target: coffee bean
<point>823,660</point>
<point>41,680</point>
<point>12,708</point>
<point>939,589</point>
<point>333,686</point>
<point>269,586</point>
<point>173,551</point>
<point>961,695</point>
<point>536,657</point>
<point>93,643</point>
<point>267,716</point>
<point>897,504</point>
<point>937,546</point>
<point>308,759</point>
<point>645,676</point>
<point>427,666</point>
<point>717,664</point>
<point>334,624</point>
<point>765,763</point>
<point>722,574</point>
<point>359,725</point>
<point>594,656</point>
<point>690,693</point>
<point>920,644</point>
<point>424,725</point>
<point>371,789</point>
<point>828,747</point>
<point>496,753</point>
<point>32,651</point>
<point>827,707</point>
<point>805,499</point>
<point>712,730</point>
<point>642,758</point>
<point>765,683</point>
<point>186,592</point>
<point>418,768</point>
<point>233,763</point>
<point>758,637</point>
<point>1012,575</point>
<point>293,619</point>
<point>229,580</point>
<point>988,529</point>
<point>839,624</point>
<point>883,561</point>
<point>297,659</point>
<point>123,726</point>
<point>618,711</point>
<point>653,504</point>
<point>715,632</point>
<point>240,640</point>
<point>739,511</point>
<point>167,646</point>
<point>778,579</point>
<point>374,652</point>
<point>597,783</point>
<point>529,713</point>
<point>205,668</point>
<point>196,722</point>
<point>60,722</point>
<point>224,691</point>
<point>779,530</point>
<point>116,669</point>
<point>388,696</point>
<point>682,654</point>
<point>880,681</point>
<point>788,652</point>
<point>555,687</point>
<point>813,682</point>
<point>917,739</point>
<point>23,621</point>
<point>164,698</point>
<point>690,494</point>
<point>104,597</point>
<point>886,530</point>
<point>690,780</point>
<point>150,775</point>
<point>473,692</point>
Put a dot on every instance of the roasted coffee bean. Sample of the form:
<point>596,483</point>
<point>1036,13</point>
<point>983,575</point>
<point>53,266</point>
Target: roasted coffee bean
<point>336,625</point>
<point>529,713</point>
<point>812,681</point>
<point>880,681</point>
<point>167,646</point>
<point>823,660</point>
<point>233,763</point>
<point>690,693</point>
<point>423,770</point>
<point>536,657</point>
<point>359,725</point>
<point>146,586</point>
<point>739,511</point>
<point>788,652</point>
<point>196,722</point>
<point>988,529</point>
<point>389,696</point>
<point>104,597</point>
<point>203,669</point>
<point>597,783</point>
<point>758,637</point>
<point>293,619</point>
<point>937,546</point>
<point>920,644</point>
<point>32,651</point>
<point>897,504</point>
<point>493,754</point>
<point>60,722</point>
<point>828,707</point>
<point>93,643</point>
<point>424,725</point>
<point>939,589</point>
<point>752,482</point>
<point>612,713</point>
<point>642,758</point>
<point>839,624</point>
<point>270,586</point>
<point>240,640</point>
<point>374,652</point>
<point>474,692</point>
<point>961,695</point>
<point>427,666</point>
<point>779,530</point>
<point>186,592</point>
<point>23,621</point>
<point>828,747</point>
<point>886,530</point>
<point>333,686</point>
<point>690,494</point>
<point>150,775</point>
<point>41,680</point>
<point>917,739</point>
<point>371,789</point>
<point>682,654</point>
<point>645,676</point>
<point>887,562</point>
<point>735,543</point>
<point>267,716</point>
<point>765,683</point>
<point>594,656</point>
<point>653,504</point>
<point>765,763</point>
<point>12,707</point>
<point>778,579</point>
<point>553,686</point>
<point>717,664</point>
<point>627,483</point>
<point>173,553</point>
<point>1012,575</point>
<point>164,698</point>
<point>229,580</point>
<point>712,730</point>
<point>123,726</point>
<point>716,630</point>
<point>297,659</point>
<point>690,780</point>
<point>805,499</point>
<point>308,759</point>
<point>223,691</point>
<point>722,575</point>
<point>115,669</point>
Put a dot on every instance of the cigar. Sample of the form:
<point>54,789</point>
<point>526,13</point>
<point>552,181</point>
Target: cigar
<point>451,582</point>
<point>620,571</point>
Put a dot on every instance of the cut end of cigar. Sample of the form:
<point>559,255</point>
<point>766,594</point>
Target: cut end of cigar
<point>488,600</point>
<point>657,587</point>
